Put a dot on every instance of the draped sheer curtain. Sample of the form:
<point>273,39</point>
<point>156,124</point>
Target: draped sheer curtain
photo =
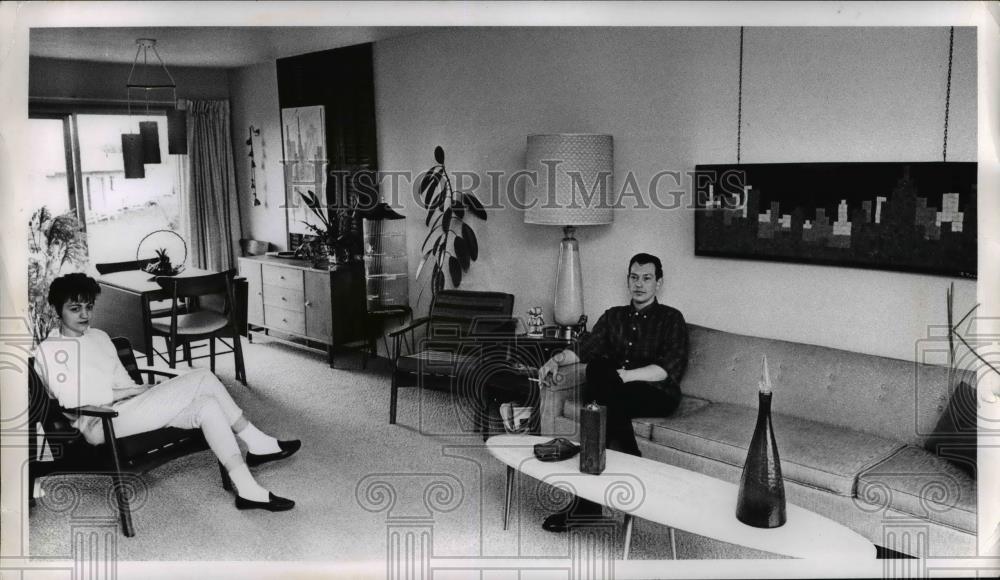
<point>211,222</point>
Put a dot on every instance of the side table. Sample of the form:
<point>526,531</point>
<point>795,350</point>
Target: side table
<point>513,379</point>
<point>374,327</point>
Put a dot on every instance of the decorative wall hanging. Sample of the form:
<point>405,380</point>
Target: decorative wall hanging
<point>253,131</point>
<point>916,217</point>
<point>907,216</point>
<point>303,131</point>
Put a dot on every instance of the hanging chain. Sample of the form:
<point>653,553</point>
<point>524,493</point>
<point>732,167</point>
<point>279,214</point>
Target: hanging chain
<point>145,66</point>
<point>739,108</point>
<point>947,98</point>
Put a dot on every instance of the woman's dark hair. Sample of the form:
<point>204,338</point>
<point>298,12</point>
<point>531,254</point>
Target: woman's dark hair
<point>76,287</point>
<point>643,259</point>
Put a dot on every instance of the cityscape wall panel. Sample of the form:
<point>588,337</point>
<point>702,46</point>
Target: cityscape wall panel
<point>914,217</point>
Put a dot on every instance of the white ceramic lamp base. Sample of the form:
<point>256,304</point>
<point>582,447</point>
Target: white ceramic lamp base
<point>568,301</point>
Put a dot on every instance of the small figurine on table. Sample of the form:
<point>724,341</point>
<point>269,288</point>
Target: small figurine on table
<point>536,323</point>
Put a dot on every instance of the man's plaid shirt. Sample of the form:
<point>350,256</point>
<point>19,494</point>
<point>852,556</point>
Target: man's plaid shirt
<point>632,338</point>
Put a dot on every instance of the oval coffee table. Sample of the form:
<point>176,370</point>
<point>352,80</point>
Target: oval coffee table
<point>678,498</point>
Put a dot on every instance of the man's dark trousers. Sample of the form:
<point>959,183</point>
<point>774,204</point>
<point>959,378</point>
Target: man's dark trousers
<point>623,401</point>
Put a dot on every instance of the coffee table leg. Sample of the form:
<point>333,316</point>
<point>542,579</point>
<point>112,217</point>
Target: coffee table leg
<point>673,544</point>
<point>506,501</point>
<point>628,536</point>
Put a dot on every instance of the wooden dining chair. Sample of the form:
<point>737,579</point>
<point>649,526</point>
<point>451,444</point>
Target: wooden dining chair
<point>213,314</point>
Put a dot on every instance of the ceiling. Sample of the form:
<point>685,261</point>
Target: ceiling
<point>222,47</point>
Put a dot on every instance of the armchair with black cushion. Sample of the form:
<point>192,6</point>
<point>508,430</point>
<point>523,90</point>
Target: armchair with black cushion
<point>456,331</point>
<point>72,454</point>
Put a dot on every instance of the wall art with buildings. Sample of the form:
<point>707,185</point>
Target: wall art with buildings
<point>915,217</point>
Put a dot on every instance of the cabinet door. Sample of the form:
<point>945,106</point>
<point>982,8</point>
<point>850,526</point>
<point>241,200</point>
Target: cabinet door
<point>250,269</point>
<point>319,315</point>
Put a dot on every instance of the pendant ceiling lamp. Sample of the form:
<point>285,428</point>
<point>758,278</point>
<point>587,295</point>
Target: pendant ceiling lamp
<point>144,147</point>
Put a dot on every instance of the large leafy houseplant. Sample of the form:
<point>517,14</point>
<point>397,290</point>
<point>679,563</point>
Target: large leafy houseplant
<point>451,242</point>
<point>55,243</point>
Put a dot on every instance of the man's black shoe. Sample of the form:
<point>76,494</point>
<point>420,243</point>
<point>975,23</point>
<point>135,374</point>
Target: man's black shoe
<point>287,449</point>
<point>585,511</point>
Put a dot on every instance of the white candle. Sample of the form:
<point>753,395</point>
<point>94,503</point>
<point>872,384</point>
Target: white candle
<point>765,377</point>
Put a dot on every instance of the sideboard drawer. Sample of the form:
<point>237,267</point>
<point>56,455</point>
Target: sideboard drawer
<point>284,320</point>
<point>281,276</point>
<point>287,298</point>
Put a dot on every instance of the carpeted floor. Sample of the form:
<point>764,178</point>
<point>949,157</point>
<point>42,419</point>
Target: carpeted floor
<point>356,479</point>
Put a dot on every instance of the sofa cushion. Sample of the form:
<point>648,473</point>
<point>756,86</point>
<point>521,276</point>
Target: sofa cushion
<point>954,436</point>
<point>642,425</point>
<point>812,453</point>
<point>891,398</point>
<point>918,483</point>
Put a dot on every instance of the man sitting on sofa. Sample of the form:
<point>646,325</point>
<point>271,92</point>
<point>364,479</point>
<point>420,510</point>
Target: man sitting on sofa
<point>636,356</point>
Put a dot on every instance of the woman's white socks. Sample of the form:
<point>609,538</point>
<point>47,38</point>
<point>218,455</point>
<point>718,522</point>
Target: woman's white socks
<point>258,442</point>
<point>246,486</point>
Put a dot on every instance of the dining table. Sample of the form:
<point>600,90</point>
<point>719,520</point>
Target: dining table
<point>124,307</point>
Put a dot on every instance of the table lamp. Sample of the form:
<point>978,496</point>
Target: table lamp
<point>574,181</point>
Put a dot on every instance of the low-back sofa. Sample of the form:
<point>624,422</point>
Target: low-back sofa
<point>850,430</point>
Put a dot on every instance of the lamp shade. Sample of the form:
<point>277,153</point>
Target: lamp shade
<point>574,179</point>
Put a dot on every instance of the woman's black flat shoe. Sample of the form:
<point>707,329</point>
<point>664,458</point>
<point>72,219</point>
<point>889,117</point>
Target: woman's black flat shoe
<point>274,503</point>
<point>288,448</point>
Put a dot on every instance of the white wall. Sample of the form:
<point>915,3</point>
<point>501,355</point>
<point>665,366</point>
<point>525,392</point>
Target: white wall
<point>255,102</point>
<point>669,98</point>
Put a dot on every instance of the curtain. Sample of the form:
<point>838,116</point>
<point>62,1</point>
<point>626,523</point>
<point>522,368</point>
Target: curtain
<point>212,226</point>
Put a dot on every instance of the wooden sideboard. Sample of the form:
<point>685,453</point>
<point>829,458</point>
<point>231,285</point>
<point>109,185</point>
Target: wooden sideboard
<point>302,304</point>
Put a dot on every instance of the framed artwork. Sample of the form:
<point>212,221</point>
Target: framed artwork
<point>913,217</point>
<point>303,131</point>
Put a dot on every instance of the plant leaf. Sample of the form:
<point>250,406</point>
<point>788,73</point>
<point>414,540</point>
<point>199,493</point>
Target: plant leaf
<point>458,206</point>
<point>455,269</point>
<point>470,240</point>
<point>431,231</point>
<point>446,220</point>
<point>438,279</point>
<point>475,206</point>
<point>427,239</point>
<point>423,261</point>
<point>433,181</point>
<point>439,155</point>
<point>425,181</point>
<point>462,252</point>
<point>431,209</point>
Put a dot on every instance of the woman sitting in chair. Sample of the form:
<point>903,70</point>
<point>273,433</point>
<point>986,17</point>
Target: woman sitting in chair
<point>80,366</point>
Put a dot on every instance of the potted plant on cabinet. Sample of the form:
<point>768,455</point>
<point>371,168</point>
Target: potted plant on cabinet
<point>329,245</point>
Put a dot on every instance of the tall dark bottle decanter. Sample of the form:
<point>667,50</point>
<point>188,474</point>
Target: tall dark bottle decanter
<point>761,502</point>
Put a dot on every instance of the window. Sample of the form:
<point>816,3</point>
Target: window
<point>119,217</point>
<point>117,212</point>
<point>48,180</point>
